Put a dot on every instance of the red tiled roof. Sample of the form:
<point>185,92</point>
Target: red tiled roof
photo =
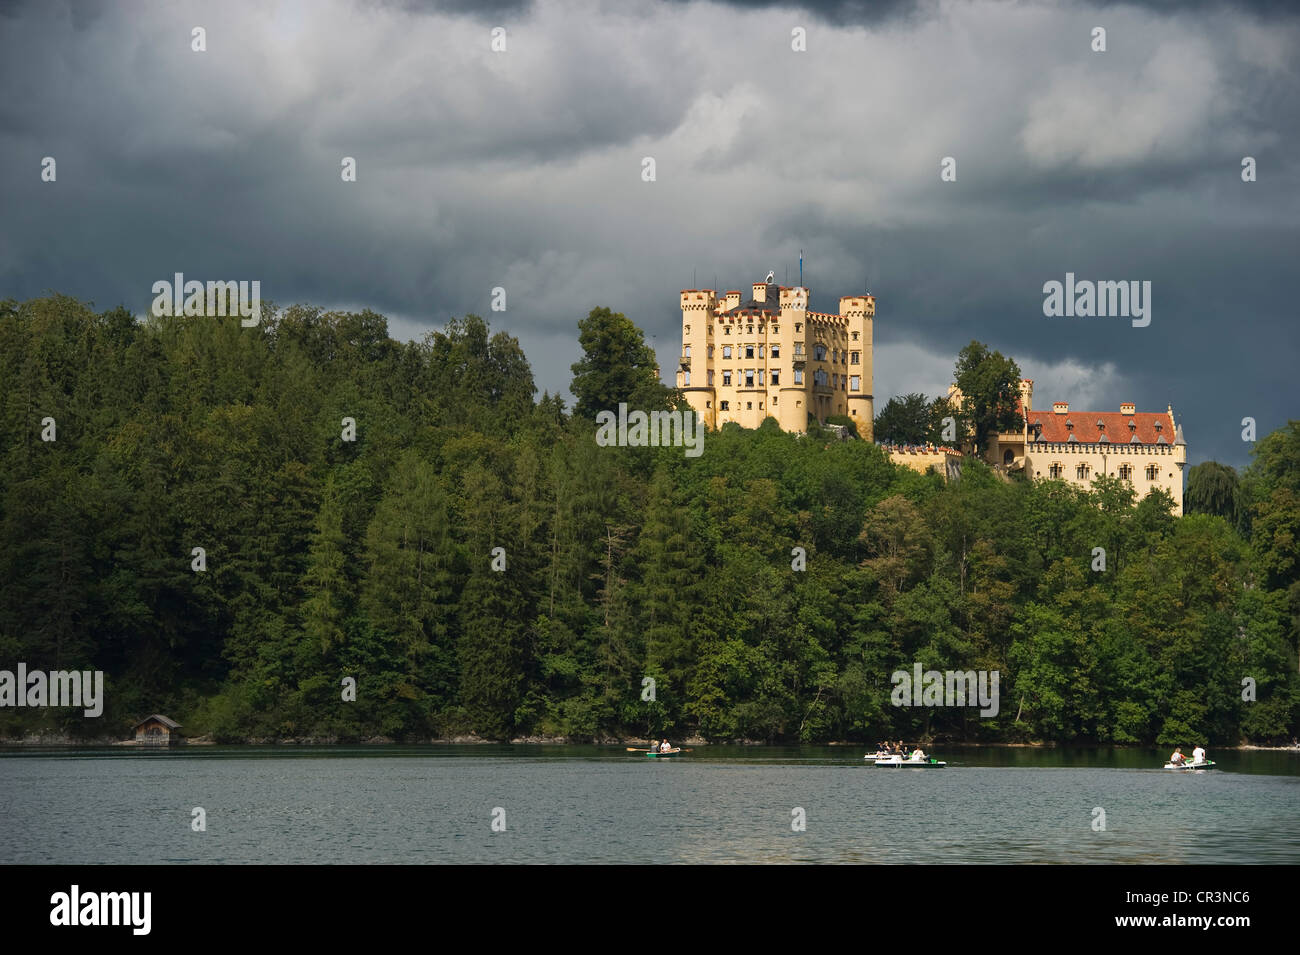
<point>1116,429</point>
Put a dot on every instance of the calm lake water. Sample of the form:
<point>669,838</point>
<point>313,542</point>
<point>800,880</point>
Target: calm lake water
<point>416,804</point>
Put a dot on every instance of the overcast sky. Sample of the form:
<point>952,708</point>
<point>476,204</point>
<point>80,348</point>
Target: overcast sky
<point>523,169</point>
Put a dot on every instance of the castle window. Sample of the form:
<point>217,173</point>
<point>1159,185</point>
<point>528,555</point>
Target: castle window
<point>749,351</point>
<point>1153,472</point>
<point>760,406</point>
<point>686,351</point>
<point>724,405</point>
<point>686,378</point>
<point>1082,472</point>
<point>749,329</point>
<point>776,350</point>
<point>776,377</point>
<point>726,351</point>
<point>760,351</point>
<point>760,376</point>
<point>798,348</point>
<point>749,378</point>
<point>710,377</point>
<point>820,377</point>
<point>688,329</point>
<point>726,379</point>
<point>749,406</point>
<point>1056,470</point>
<point>855,336</point>
<point>708,404</point>
<point>855,382</point>
<point>853,357</point>
<point>819,352</point>
<point>798,376</point>
<point>776,329</point>
<point>798,326</point>
<point>710,351</point>
<point>726,329</point>
<point>1126,472</point>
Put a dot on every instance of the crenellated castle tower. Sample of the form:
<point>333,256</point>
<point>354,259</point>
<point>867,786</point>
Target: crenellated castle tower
<point>769,356</point>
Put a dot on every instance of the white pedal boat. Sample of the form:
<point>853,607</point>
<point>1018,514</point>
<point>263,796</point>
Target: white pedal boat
<point>910,762</point>
<point>1188,764</point>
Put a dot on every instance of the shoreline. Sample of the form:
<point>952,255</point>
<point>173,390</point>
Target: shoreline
<point>63,741</point>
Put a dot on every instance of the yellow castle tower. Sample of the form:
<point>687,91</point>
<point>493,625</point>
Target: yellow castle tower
<point>769,356</point>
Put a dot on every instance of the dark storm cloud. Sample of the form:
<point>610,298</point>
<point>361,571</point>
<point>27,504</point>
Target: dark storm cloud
<point>842,12</point>
<point>523,169</point>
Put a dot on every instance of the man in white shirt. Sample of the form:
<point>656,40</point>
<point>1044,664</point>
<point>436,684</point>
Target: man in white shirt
<point>1198,755</point>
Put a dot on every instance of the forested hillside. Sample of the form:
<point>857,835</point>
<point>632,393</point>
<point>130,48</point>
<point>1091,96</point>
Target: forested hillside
<point>327,558</point>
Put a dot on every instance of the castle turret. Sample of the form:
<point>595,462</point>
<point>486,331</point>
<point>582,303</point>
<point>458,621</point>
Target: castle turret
<point>859,312</point>
<point>694,369</point>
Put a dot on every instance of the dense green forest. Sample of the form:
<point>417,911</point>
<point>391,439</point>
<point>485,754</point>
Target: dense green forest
<point>373,558</point>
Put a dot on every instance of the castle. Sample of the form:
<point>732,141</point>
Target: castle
<point>1144,448</point>
<point>769,356</point>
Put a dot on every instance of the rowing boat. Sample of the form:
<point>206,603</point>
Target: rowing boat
<point>898,762</point>
<point>1207,764</point>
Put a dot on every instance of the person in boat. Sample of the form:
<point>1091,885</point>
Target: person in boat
<point>1198,755</point>
<point>918,754</point>
<point>1177,756</point>
<point>665,746</point>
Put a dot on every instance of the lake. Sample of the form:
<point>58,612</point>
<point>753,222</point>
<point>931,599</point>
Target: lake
<point>589,804</point>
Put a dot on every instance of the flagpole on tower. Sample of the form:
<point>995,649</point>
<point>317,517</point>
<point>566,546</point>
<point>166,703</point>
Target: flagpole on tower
<point>801,268</point>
